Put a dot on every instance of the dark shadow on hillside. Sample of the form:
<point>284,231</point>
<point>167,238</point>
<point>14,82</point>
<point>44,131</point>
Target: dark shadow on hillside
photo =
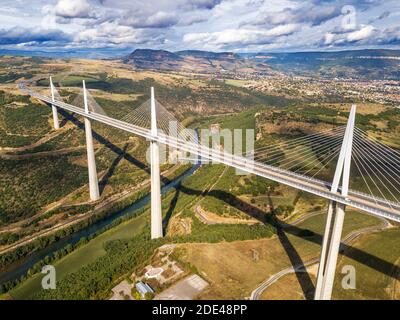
<point>171,209</point>
<point>358,255</point>
<point>300,270</point>
<point>64,120</point>
<point>106,142</point>
<point>110,171</point>
<point>121,154</point>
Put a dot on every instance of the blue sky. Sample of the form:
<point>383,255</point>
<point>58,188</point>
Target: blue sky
<point>216,25</point>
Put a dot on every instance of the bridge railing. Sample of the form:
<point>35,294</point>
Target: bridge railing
<point>237,161</point>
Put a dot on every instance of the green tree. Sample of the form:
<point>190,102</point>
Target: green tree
<point>149,296</point>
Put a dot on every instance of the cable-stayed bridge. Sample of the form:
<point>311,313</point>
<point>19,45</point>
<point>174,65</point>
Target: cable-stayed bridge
<point>296,163</point>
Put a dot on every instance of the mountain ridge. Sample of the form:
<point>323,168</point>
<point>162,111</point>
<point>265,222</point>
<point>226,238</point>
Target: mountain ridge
<point>353,64</point>
<point>194,61</point>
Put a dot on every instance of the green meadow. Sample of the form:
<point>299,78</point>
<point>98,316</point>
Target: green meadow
<point>82,256</point>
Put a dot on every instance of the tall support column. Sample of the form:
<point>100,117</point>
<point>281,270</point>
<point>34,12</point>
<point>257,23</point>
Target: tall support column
<point>54,108</point>
<point>93,181</point>
<point>156,214</point>
<point>335,217</point>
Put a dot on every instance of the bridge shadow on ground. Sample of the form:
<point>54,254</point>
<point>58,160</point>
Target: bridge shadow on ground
<point>302,276</point>
<point>171,208</point>
<point>269,219</point>
<point>120,155</point>
<point>283,229</point>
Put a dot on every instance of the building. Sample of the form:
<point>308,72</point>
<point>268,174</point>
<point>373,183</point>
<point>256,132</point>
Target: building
<point>143,288</point>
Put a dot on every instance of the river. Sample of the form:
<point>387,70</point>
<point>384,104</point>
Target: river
<point>19,268</point>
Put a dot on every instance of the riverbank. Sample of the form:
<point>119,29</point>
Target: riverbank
<point>108,204</point>
<point>120,257</point>
<point>82,256</point>
<point>18,269</point>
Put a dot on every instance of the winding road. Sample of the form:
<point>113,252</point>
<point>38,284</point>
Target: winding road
<point>256,293</point>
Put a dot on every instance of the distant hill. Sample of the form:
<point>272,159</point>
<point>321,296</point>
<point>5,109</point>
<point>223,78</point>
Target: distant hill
<point>154,59</point>
<point>208,54</point>
<point>194,61</point>
<point>98,53</point>
<point>367,64</point>
<point>356,64</point>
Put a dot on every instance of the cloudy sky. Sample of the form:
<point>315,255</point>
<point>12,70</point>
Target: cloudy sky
<point>217,25</point>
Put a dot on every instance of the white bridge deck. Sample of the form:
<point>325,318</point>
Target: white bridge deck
<point>358,200</point>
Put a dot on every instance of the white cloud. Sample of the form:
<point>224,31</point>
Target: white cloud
<point>366,35</point>
<point>306,13</point>
<point>231,37</point>
<point>238,25</point>
<point>160,19</point>
<point>363,33</point>
<point>112,34</point>
<point>284,29</point>
<point>73,9</point>
<point>328,38</point>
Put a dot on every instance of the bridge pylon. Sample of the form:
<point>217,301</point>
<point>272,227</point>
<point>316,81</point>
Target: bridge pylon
<point>156,213</point>
<point>335,217</point>
<point>93,180</point>
<point>56,122</point>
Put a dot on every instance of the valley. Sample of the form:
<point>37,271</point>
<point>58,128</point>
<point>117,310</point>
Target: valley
<point>44,194</point>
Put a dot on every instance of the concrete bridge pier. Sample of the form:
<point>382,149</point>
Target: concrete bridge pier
<point>93,181</point>
<point>335,217</point>
<point>54,108</point>
<point>156,212</point>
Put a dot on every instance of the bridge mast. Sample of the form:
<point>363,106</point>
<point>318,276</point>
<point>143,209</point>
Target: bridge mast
<point>335,217</point>
<point>54,108</point>
<point>156,214</point>
<point>93,181</point>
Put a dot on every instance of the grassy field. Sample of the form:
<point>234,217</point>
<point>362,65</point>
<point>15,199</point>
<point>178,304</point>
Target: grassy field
<point>223,263</point>
<point>232,271</point>
<point>236,83</point>
<point>230,268</point>
<point>70,80</point>
<point>284,196</point>
<point>174,202</point>
<point>190,189</point>
<point>243,120</point>
<point>379,278</point>
<point>287,288</point>
<point>307,247</point>
<point>82,256</point>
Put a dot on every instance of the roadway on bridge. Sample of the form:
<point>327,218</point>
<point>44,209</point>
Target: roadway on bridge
<point>370,204</point>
